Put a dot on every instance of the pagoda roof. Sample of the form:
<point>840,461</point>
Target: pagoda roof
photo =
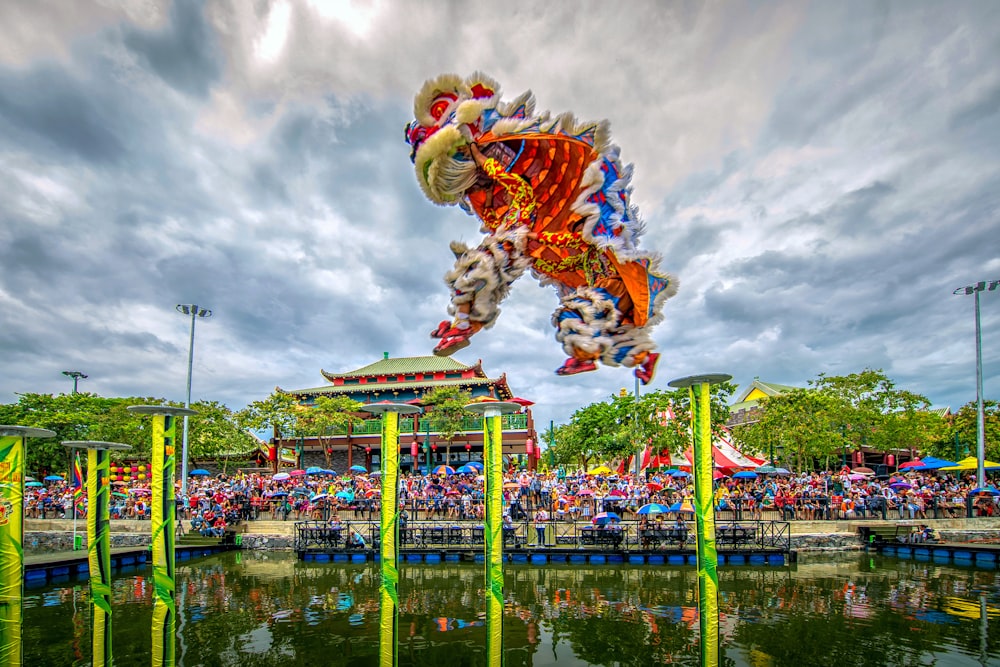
<point>392,368</point>
<point>407,366</point>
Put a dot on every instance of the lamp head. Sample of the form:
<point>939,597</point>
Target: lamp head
<point>192,309</point>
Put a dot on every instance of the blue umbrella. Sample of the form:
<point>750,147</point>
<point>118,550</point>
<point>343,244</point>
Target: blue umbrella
<point>33,484</point>
<point>53,478</point>
<point>346,495</point>
<point>934,463</point>
<point>606,517</point>
<point>324,471</point>
<point>314,470</point>
<point>985,489</point>
<point>466,470</point>
<point>680,473</point>
<point>359,469</point>
<point>475,464</point>
<point>277,494</point>
<point>199,472</point>
<point>653,508</point>
<point>745,474</point>
<point>318,496</point>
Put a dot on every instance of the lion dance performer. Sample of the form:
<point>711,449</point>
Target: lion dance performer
<point>552,197</point>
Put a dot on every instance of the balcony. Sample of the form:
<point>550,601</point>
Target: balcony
<point>514,422</point>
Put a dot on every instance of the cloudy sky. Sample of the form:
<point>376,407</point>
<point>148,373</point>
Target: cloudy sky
<point>818,176</point>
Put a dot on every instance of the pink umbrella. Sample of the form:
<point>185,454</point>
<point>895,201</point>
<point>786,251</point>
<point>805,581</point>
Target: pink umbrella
<point>297,473</point>
<point>585,492</point>
<point>915,463</point>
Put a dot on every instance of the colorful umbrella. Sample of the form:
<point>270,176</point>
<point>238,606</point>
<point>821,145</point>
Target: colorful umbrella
<point>281,476</point>
<point>605,518</point>
<point>297,473</point>
<point>653,508</point>
<point>654,486</point>
<point>444,470</point>
<point>915,463</point>
<point>683,506</point>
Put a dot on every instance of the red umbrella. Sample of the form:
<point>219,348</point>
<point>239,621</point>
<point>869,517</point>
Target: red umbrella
<point>654,486</point>
<point>297,473</point>
<point>915,463</point>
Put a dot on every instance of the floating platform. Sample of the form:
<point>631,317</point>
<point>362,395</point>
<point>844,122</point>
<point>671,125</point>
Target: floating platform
<point>41,569</point>
<point>957,553</point>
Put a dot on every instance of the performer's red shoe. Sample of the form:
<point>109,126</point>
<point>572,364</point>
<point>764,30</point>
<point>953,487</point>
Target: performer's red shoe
<point>452,341</point>
<point>441,330</point>
<point>645,372</point>
<point>572,366</point>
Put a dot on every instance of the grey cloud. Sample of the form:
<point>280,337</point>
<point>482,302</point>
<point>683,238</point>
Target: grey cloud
<point>184,53</point>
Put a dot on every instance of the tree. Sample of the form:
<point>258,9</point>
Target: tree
<point>278,412</point>
<point>447,412</point>
<point>215,434</point>
<point>326,416</point>
<point>962,430</point>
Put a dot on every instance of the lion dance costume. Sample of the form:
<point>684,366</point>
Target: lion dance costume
<point>552,197</point>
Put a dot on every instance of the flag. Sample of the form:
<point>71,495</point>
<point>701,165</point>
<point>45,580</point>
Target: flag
<point>77,477</point>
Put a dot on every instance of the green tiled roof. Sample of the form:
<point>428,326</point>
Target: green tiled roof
<point>403,365</point>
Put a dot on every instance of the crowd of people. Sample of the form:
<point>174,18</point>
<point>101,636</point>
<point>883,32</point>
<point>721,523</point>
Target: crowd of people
<point>212,502</point>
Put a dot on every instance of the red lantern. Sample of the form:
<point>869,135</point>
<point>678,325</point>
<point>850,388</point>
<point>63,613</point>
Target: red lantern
<point>434,448</point>
<point>329,450</point>
<point>529,446</point>
<point>368,450</point>
<point>414,448</point>
<point>468,447</point>
<point>272,453</point>
<point>859,458</point>
<point>890,459</point>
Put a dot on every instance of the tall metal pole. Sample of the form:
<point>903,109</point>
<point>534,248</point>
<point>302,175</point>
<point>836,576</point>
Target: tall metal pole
<point>980,419</point>
<point>980,422</point>
<point>195,312</point>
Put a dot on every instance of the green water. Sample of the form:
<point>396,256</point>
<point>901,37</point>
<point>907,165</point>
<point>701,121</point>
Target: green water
<point>254,608</point>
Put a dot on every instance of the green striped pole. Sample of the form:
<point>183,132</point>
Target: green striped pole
<point>99,543</point>
<point>12,462</point>
<point>708,557</point>
<point>163,508</point>
<point>492,412</point>
<point>389,530</point>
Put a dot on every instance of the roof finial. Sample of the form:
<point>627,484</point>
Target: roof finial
<point>385,355</point>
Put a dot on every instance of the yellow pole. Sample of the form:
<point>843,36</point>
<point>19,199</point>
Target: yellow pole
<point>708,557</point>
<point>492,412</point>
<point>163,508</point>
<point>389,530</point>
<point>99,544</point>
<point>12,463</point>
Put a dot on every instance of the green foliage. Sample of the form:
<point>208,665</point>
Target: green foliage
<point>278,412</point>
<point>447,410</point>
<point>83,416</point>
<point>327,415</point>
<point>624,425</point>
<point>959,438</point>
<point>838,415</point>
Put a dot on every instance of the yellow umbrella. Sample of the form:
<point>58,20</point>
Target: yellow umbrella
<point>601,470</point>
<point>970,463</point>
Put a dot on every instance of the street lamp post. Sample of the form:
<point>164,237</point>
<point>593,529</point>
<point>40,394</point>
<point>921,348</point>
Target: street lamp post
<point>77,376</point>
<point>980,422</point>
<point>195,312</point>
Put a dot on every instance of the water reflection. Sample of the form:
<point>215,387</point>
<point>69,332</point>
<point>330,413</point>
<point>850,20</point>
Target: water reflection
<point>252,609</point>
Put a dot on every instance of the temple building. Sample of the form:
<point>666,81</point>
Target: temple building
<point>406,380</point>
